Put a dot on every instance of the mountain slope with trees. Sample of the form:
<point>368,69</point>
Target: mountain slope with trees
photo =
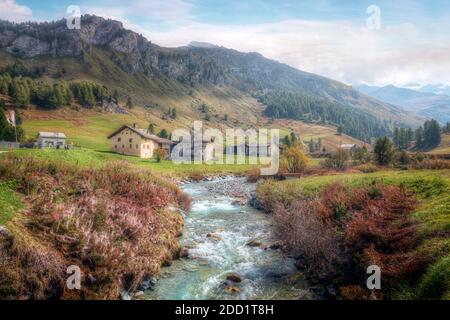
<point>144,74</point>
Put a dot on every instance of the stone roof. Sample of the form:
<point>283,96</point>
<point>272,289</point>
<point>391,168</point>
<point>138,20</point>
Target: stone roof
<point>143,133</point>
<point>52,135</point>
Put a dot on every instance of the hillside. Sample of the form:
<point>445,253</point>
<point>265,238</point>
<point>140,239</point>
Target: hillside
<point>426,104</point>
<point>444,146</point>
<point>184,78</point>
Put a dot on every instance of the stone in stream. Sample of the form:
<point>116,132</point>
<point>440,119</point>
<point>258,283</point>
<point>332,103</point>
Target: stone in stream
<point>254,243</point>
<point>184,253</point>
<point>213,237</point>
<point>275,246</point>
<point>234,277</point>
<point>232,289</point>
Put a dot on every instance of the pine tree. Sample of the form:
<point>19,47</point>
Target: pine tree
<point>115,96</point>
<point>6,130</point>
<point>431,134</point>
<point>151,128</point>
<point>129,103</point>
<point>311,145</point>
<point>419,138</point>
<point>384,151</point>
<point>163,134</point>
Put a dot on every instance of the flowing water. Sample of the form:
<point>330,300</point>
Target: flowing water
<point>266,273</point>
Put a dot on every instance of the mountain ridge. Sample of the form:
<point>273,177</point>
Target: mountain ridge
<point>423,103</point>
<point>129,57</point>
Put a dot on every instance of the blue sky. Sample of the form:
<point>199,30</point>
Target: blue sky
<point>328,37</point>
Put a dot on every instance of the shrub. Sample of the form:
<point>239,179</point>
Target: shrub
<point>361,155</point>
<point>98,219</point>
<point>436,282</point>
<point>196,175</point>
<point>160,154</point>
<point>402,158</point>
<point>254,175</point>
<point>354,292</point>
<point>305,234</point>
<point>337,160</point>
<point>367,168</point>
<point>269,194</point>
<point>433,164</point>
<point>384,151</point>
<point>293,160</point>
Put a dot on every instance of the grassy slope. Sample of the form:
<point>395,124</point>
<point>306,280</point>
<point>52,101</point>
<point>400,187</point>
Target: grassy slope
<point>89,128</point>
<point>10,203</point>
<point>432,188</point>
<point>94,158</point>
<point>444,147</point>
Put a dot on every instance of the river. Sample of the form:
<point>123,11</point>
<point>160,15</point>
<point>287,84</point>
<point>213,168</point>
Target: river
<point>217,231</point>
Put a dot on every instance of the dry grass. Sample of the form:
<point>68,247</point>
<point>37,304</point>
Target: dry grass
<point>112,222</point>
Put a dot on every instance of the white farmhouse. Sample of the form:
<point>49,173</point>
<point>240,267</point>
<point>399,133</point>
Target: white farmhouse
<point>51,140</point>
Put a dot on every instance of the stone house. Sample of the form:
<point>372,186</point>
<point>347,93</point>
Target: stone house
<point>51,140</point>
<point>129,140</point>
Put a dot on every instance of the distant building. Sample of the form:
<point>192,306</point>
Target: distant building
<point>129,140</point>
<point>51,140</point>
<point>248,150</point>
<point>348,147</point>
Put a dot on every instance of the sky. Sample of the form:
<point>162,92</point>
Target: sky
<point>338,39</point>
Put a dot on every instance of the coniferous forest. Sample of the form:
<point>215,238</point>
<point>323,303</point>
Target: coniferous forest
<point>297,106</point>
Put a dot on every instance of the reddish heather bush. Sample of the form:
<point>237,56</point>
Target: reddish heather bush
<point>111,222</point>
<point>430,164</point>
<point>383,233</point>
<point>346,229</point>
<point>354,292</point>
<point>306,234</point>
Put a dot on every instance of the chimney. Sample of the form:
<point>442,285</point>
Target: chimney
<point>134,125</point>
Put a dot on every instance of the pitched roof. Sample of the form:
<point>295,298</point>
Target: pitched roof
<point>348,145</point>
<point>52,135</point>
<point>142,133</point>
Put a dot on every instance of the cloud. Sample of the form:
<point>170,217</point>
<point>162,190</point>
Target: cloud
<point>341,50</point>
<point>10,10</point>
<point>163,10</point>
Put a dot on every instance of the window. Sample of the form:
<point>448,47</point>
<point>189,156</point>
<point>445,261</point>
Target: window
<point>131,140</point>
<point>131,146</point>
<point>137,146</point>
<point>115,147</point>
<point>119,139</point>
<point>123,146</point>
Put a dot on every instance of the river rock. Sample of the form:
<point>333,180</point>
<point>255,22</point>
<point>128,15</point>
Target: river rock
<point>124,295</point>
<point>138,294</point>
<point>4,232</point>
<point>275,246</point>
<point>254,243</point>
<point>213,237</point>
<point>184,253</point>
<point>232,289</point>
<point>234,277</point>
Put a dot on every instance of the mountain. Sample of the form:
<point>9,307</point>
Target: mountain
<point>105,52</point>
<point>197,44</point>
<point>436,89</point>
<point>426,104</point>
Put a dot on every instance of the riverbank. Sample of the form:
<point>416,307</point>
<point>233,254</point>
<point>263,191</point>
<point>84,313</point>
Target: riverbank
<point>337,226</point>
<point>117,223</point>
